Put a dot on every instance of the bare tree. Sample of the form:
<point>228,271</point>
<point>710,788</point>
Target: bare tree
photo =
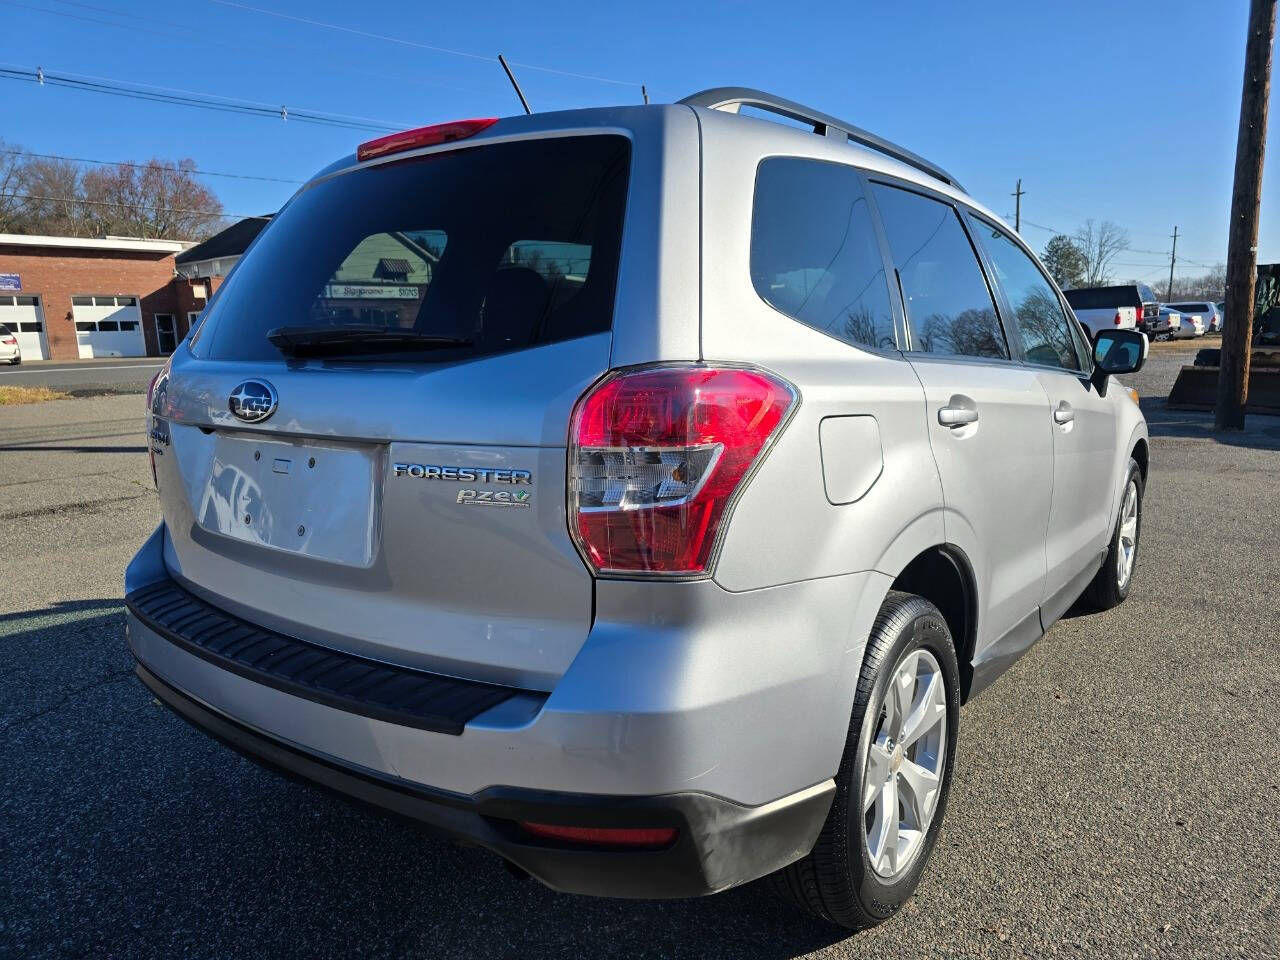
<point>51,190</point>
<point>1099,243</point>
<point>11,164</point>
<point>159,199</point>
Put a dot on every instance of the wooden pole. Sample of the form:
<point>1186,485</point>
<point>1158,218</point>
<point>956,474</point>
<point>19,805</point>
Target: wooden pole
<point>1246,195</point>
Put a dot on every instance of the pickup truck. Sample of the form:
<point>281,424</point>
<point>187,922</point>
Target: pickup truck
<point>1126,306</point>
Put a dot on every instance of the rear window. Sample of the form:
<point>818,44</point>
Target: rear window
<point>1103,298</point>
<point>507,246</point>
<point>3,330</point>
<point>1189,307</point>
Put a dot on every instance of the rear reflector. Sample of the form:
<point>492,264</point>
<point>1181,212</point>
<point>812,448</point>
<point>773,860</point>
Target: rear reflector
<point>422,137</point>
<point>641,837</point>
<point>1118,320</point>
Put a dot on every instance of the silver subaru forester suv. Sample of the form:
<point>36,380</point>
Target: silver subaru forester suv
<point>638,493</point>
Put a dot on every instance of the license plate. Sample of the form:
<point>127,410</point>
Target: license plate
<point>314,499</point>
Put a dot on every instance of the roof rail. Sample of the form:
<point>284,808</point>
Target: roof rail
<point>731,98</point>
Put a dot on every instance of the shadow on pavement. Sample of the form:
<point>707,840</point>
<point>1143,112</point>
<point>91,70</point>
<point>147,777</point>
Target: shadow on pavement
<point>1261,430</point>
<point>128,833</point>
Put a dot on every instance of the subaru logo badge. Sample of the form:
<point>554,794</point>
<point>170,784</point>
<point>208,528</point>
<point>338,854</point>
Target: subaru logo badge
<point>253,401</point>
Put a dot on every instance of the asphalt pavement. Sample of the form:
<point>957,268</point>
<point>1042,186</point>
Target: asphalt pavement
<point>124,375</point>
<point>1116,793</point>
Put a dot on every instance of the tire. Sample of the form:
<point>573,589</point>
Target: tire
<point>838,880</point>
<point>1109,587</point>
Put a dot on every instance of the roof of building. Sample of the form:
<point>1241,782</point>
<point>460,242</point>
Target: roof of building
<point>118,244</point>
<point>231,242</point>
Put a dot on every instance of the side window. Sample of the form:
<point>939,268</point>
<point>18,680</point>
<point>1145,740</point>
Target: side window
<point>1042,326</point>
<point>814,252</point>
<point>948,303</point>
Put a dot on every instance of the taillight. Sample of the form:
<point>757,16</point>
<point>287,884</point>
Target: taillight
<point>10,341</point>
<point>656,457</point>
<point>422,137</point>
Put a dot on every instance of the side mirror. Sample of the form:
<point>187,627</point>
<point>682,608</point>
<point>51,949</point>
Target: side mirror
<point>1118,352</point>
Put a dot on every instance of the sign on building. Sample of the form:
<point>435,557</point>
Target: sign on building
<point>10,281</point>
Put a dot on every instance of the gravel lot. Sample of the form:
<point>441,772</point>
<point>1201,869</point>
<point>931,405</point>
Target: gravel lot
<point>1117,792</point>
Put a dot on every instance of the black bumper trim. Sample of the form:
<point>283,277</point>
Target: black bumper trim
<point>410,698</point>
<point>720,844</point>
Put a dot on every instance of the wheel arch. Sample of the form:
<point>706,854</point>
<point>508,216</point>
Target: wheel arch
<point>943,575</point>
<point>1141,454</point>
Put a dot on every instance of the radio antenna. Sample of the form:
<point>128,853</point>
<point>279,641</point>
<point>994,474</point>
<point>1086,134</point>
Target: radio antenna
<point>512,77</point>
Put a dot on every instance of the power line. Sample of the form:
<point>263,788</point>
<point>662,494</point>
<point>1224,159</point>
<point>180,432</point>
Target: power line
<point>326,61</point>
<point>145,166</point>
<point>129,206</point>
<point>1154,253</point>
<point>403,41</point>
<point>191,98</point>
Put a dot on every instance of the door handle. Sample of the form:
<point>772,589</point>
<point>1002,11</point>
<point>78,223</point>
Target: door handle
<point>955,416</point>
<point>1063,414</point>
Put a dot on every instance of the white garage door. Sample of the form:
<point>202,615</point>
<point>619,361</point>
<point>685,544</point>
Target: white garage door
<point>108,326</point>
<point>25,320</point>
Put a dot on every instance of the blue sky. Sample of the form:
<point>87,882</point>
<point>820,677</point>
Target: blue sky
<point>1110,110</point>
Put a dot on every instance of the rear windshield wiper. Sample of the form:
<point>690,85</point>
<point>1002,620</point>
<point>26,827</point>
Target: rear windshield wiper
<point>356,338</point>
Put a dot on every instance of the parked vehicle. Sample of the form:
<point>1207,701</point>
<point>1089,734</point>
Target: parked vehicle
<point>1211,318</point>
<point>1168,325</point>
<point>655,552</point>
<point>1191,325</point>
<point>1123,306</point>
<point>1266,331</point>
<point>9,349</point>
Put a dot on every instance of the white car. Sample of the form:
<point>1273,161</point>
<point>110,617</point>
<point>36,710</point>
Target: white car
<point>1210,316</point>
<point>9,349</point>
<point>1193,324</point>
<point>1168,325</point>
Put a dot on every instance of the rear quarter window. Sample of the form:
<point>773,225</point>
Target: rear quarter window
<point>505,245</point>
<point>814,252</point>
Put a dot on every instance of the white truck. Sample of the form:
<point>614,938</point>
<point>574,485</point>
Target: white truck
<point>1126,306</point>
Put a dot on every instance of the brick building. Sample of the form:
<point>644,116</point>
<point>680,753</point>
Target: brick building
<point>70,297</point>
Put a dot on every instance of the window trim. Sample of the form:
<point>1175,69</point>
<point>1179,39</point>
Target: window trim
<point>1073,325</point>
<point>899,318</point>
<point>979,255</point>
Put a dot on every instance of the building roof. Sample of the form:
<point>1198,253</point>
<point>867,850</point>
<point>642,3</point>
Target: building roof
<point>231,242</point>
<point>118,244</point>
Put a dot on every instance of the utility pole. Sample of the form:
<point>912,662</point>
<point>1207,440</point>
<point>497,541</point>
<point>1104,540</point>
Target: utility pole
<point>1246,196</point>
<point>1173,258</point>
<point>1017,207</point>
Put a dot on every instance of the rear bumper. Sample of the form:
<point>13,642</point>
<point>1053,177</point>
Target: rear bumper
<point>725,713</point>
<point>719,844</point>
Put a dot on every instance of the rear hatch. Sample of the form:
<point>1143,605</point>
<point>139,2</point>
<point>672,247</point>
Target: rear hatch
<point>364,445</point>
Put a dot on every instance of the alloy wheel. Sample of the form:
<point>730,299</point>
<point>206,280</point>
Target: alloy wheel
<point>1127,547</point>
<point>903,777</point>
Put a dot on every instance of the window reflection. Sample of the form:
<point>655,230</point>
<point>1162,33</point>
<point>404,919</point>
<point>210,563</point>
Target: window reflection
<point>948,304</point>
